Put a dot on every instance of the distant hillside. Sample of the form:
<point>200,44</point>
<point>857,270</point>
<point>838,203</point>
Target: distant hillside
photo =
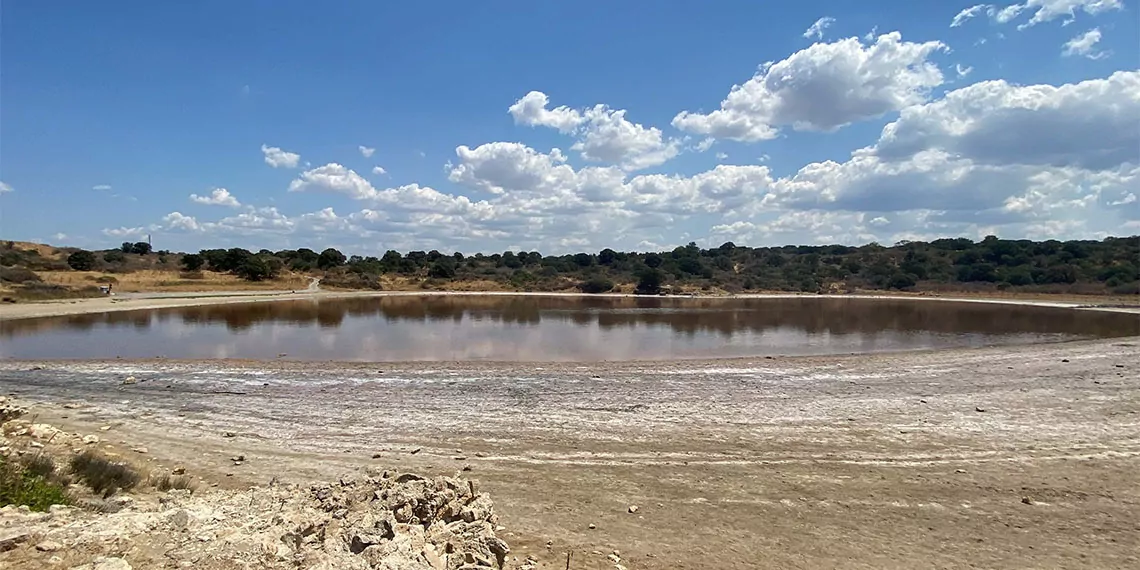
<point>43,250</point>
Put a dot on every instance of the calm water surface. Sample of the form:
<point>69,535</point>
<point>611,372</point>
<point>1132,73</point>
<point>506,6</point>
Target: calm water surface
<point>548,329</point>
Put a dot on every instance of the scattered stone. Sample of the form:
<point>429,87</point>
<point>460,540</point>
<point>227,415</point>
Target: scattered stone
<point>104,428</point>
<point>467,467</point>
<point>1064,360</point>
<point>12,537</point>
<point>592,526</point>
<point>979,409</point>
<point>48,546</point>
<point>180,519</point>
<point>90,439</point>
<point>460,458</point>
<point>613,558</point>
<point>377,455</point>
<point>129,380</point>
<point>480,454</point>
<point>37,444</point>
<point>178,471</point>
<point>229,434</point>
<point>102,563</point>
<point>959,471</point>
<point>416,450</point>
<point>237,458</point>
<point>1026,501</point>
<point>139,450</point>
<point>633,509</point>
<point>43,431</point>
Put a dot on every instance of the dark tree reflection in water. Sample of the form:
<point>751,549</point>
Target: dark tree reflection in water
<point>549,328</point>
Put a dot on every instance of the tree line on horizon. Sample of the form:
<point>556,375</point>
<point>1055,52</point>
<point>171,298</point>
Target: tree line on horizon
<point>1111,265</point>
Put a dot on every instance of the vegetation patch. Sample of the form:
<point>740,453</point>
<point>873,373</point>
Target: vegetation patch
<point>167,481</point>
<point>102,475</point>
<point>32,483</point>
<point>18,275</point>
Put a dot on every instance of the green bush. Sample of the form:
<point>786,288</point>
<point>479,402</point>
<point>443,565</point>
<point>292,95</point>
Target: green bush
<point>81,260</point>
<point>649,282</point>
<point>31,484</point>
<point>192,262</point>
<point>596,285</point>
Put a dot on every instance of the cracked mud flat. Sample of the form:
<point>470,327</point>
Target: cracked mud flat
<point>988,458</point>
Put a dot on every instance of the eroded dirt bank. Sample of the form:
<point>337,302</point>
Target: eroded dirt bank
<point>1022,457</point>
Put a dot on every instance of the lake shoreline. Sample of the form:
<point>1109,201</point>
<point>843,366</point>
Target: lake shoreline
<point>113,304</point>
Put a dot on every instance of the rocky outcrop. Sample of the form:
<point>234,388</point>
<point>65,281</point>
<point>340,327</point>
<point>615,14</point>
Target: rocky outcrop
<point>383,521</point>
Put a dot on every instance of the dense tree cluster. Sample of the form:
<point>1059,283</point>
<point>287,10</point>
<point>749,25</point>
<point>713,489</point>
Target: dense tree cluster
<point>1111,265</point>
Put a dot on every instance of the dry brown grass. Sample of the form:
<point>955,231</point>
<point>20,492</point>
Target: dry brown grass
<point>45,251</point>
<point>152,280</point>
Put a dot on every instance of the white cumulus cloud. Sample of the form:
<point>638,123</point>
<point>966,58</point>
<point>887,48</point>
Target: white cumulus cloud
<point>366,152</point>
<point>278,158</point>
<point>604,134</point>
<point>217,197</point>
<point>816,29</point>
<point>1084,45</point>
<point>531,110</point>
<point>177,220</point>
<point>822,88</point>
<point>334,177</point>
<point>122,232</point>
<point>1091,124</point>
<point>101,187</point>
<point>5,188</point>
<point>379,170</point>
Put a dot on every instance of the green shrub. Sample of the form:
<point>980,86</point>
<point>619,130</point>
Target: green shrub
<point>192,262</point>
<point>27,485</point>
<point>596,285</point>
<point>649,282</point>
<point>81,260</point>
<point>103,475</point>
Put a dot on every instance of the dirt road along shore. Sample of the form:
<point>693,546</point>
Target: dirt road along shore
<point>1018,457</point>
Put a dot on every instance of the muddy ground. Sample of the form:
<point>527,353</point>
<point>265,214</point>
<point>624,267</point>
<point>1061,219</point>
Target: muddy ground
<point>1020,457</point>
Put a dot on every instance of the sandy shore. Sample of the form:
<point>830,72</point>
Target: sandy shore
<point>1014,457</point>
<point>141,301</point>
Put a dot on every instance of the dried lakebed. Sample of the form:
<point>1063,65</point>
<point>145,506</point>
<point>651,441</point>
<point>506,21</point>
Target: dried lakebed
<point>999,457</point>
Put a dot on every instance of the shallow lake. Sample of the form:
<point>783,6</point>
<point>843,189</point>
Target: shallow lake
<point>534,328</point>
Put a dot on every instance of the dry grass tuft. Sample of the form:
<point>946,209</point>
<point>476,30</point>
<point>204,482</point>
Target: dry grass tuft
<point>103,475</point>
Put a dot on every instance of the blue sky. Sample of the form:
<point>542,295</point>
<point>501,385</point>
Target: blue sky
<point>886,123</point>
